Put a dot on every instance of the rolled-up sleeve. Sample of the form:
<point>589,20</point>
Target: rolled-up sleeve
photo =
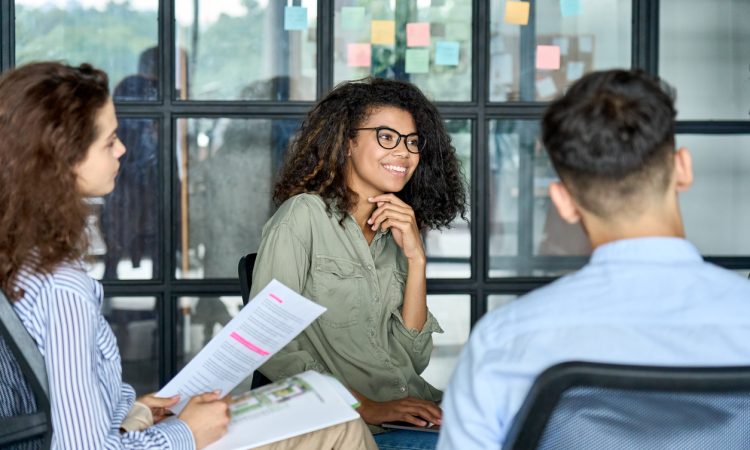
<point>417,343</point>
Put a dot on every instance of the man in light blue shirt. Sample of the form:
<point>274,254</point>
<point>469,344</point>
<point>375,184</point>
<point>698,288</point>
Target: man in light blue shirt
<point>645,297</point>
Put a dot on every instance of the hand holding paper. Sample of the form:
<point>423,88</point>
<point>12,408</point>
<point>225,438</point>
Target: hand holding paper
<point>265,325</point>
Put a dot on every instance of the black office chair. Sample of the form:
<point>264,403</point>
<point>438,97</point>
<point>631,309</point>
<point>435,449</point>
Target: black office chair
<point>245,270</point>
<point>31,428</point>
<point>606,406</point>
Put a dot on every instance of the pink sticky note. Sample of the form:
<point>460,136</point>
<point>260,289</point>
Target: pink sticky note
<point>358,55</point>
<point>547,57</point>
<point>418,34</point>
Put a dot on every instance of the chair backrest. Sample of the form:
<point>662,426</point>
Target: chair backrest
<point>591,406</point>
<point>245,269</point>
<point>26,421</point>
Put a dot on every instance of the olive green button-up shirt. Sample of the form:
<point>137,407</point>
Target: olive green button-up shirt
<point>361,339</point>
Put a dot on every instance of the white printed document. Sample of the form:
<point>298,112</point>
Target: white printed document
<point>297,405</point>
<point>266,324</point>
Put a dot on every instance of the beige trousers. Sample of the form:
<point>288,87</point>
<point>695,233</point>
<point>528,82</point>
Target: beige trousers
<point>353,435</point>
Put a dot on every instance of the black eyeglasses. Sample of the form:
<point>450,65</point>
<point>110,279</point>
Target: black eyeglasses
<point>388,138</point>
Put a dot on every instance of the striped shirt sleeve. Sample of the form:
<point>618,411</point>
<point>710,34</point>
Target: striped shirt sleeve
<point>82,404</point>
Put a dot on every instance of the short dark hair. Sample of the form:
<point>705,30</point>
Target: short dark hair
<point>316,162</point>
<point>611,138</point>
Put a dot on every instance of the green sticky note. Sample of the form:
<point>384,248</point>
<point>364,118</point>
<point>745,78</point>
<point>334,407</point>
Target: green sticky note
<point>352,18</point>
<point>417,60</point>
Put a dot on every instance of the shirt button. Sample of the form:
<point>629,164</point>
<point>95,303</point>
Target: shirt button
<point>402,389</point>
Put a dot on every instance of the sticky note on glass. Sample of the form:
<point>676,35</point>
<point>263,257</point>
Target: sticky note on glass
<point>352,18</point>
<point>418,34</point>
<point>574,70</point>
<point>570,8</point>
<point>517,12</point>
<point>563,43</point>
<point>585,44</point>
<point>383,32</point>
<point>447,53</point>
<point>417,60</point>
<point>359,55</point>
<point>547,57</point>
<point>295,18</point>
<point>546,87</point>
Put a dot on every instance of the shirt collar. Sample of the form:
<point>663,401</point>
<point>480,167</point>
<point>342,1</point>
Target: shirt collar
<point>649,249</point>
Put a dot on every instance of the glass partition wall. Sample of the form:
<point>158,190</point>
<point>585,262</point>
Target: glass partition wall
<point>209,94</point>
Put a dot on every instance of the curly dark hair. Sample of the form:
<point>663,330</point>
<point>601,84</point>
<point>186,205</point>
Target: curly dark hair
<point>48,116</point>
<point>316,161</point>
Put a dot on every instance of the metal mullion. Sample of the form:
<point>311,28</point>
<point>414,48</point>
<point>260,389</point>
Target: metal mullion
<point>645,35</point>
<point>479,157</point>
<point>167,307</point>
<point>525,110</point>
<point>325,48</point>
<point>7,34</point>
<point>712,127</point>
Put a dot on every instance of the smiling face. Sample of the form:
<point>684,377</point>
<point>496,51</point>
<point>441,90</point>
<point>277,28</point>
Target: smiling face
<point>96,173</point>
<point>373,170</point>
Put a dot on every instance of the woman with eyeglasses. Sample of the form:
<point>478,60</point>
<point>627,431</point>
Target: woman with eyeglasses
<point>370,170</point>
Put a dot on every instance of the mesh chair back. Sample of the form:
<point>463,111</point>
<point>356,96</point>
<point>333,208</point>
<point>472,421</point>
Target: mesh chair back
<point>25,421</point>
<point>603,406</point>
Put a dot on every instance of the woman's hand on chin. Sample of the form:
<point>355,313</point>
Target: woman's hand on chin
<point>392,213</point>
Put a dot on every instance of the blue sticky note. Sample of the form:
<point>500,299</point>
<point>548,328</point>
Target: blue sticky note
<point>295,18</point>
<point>446,53</point>
<point>570,8</point>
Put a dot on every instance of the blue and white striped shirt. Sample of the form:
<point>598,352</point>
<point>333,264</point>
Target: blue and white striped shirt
<point>89,401</point>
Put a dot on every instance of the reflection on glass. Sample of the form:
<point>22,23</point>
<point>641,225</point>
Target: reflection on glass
<point>245,51</point>
<point>120,38</point>
<point>226,169</point>
<point>134,322</point>
<point>198,320</point>
<point>527,236</point>
<point>124,231</point>
<point>595,36</point>
<point>499,300</point>
<point>703,52</point>
<point>425,42</point>
<point>449,250</point>
<point>716,208</point>
<point>453,312</point>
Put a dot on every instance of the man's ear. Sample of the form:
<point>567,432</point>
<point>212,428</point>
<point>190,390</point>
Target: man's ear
<point>564,203</point>
<point>683,168</point>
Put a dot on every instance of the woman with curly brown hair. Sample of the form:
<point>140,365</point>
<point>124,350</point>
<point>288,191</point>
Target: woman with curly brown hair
<point>58,145</point>
<point>371,168</point>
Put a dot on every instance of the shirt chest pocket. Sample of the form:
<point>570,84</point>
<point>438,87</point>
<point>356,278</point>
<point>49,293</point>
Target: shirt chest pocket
<point>340,285</point>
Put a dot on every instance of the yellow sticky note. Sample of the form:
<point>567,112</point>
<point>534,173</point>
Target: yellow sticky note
<point>517,12</point>
<point>383,32</point>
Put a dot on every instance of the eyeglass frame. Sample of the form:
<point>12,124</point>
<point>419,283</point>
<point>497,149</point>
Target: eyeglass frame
<point>420,146</point>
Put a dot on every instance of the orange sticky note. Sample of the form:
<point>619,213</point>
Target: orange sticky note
<point>517,12</point>
<point>547,57</point>
<point>359,55</point>
<point>383,32</point>
<point>418,34</point>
